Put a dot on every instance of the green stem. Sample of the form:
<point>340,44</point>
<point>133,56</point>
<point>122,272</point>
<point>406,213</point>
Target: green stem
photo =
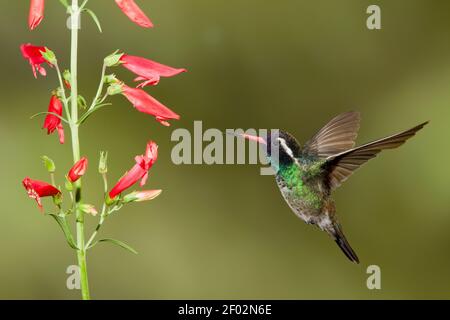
<point>102,215</point>
<point>100,89</point>
<point>63,90</point>
<point>81,252</point>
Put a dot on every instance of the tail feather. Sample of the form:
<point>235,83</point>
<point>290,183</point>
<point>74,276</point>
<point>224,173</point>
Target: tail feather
<point>342,242</point>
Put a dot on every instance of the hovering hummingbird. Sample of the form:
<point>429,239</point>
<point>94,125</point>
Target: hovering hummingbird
<point>307,176</point>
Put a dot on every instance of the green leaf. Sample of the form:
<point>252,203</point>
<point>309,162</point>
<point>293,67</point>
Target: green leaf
<point>119,243</point>
<point>62,222</point>
<point>46,113</point>
<point>64,3</point>
<point>94,17</point>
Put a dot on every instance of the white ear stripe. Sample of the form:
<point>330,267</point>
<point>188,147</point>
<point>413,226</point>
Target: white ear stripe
<point>285,147</point>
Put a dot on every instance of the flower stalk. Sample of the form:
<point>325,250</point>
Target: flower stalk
<point>66,99</point>
<point>81,251</point>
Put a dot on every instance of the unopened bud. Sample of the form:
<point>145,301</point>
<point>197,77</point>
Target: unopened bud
<point>67,78</point>
<point>103,163</point>
<point>88,208</point>
<point>110,78</point>
<point>139,196</point>
<point>57,199</point>
<point>49,164</point>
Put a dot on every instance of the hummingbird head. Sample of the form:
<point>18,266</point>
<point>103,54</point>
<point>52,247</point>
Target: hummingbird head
<point>281,147</point>
<point>284,145</point>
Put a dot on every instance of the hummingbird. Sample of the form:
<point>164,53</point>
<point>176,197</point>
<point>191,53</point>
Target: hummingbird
<point>307,175</point>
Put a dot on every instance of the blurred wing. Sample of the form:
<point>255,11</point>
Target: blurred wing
<point>336,136</point>
<point>341,166</point>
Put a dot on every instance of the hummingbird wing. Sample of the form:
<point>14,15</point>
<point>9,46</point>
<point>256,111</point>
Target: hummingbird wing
<point>336,136</point>
<point>340,166</point>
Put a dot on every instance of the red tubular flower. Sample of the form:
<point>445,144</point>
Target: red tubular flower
<point>52,122</point>
<point>78,170</point>
<point>36,13</point>
<point>145,103</point>
<point>147,70</point>
<point>39,189</point>
<point>138,172</point>
<point>34,56</point>
<point>134,13</point>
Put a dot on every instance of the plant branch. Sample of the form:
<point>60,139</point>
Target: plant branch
<point>63,90</point>
<point>100,89</point>
<point>102,215</point>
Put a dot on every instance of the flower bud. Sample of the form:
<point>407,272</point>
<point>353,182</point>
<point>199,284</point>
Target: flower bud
<point>140,196</point>
<point>82,102</point>
<point>78,170</point>
<point>88,208</point>
<point>67,78</point>
<point>49,164</point>
<point>57,199</point>
<point>111,78</point>
<point>103,163</point>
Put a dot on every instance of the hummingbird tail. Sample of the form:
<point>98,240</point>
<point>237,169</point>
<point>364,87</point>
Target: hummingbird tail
<point>342,242</point>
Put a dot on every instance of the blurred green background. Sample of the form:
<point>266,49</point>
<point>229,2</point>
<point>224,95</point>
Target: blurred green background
<point>224,231</point>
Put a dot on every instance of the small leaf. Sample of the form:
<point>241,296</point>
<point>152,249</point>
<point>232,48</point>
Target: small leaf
<point>65,229</point>
<point>119,243</point>
<point>94,17</point>
<point>64,3</point>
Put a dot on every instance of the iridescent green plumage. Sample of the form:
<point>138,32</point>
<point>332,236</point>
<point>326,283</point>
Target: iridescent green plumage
<point>298,179</point>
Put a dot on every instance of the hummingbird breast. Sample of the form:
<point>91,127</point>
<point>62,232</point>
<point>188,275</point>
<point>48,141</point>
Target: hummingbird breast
<point>305,193</point>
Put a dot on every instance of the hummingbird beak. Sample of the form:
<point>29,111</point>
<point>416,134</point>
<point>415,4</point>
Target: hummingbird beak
<point>250,137</point>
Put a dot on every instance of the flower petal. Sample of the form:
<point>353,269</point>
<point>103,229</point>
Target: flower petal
<point>145,103</point>
<point>36,13</point>
<point>134,13</point>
